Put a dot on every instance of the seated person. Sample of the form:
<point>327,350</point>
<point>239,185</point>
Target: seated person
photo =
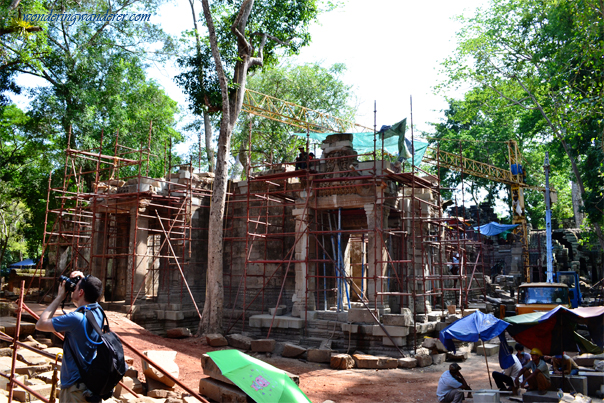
<point>451,385</point>
<point>538,378</point>
<point>564,364</point>
<point>505,379</point>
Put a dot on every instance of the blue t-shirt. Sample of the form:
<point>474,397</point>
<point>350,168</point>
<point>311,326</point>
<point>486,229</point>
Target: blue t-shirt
<point>75,325</point>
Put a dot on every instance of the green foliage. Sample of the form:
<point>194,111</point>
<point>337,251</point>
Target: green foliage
<point>543,61</point>
<point>315,87</point>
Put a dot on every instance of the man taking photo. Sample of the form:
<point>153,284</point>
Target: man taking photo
<point>81,340</point>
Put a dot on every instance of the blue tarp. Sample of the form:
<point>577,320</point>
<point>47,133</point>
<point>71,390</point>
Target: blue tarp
<point>478,326</point>
<point>494,228</point>
<point>24,263</point>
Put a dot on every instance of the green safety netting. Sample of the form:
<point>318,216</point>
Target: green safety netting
<point>364,143</point>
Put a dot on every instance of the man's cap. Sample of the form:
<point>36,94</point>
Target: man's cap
<point>536,351</point>
<point>454,367</point>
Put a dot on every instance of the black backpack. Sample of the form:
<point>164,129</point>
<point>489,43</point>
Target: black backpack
<point>108,367</point>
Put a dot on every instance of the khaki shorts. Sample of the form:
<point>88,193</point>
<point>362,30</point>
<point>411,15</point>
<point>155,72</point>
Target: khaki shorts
<point>73,394</point>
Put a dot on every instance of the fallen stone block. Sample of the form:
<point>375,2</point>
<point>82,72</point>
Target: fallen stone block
<point>30,341</point>
<point>166,358</point>
<point>131,372</point>
<point>487,349</point>
<point>276,311</point>
<point>423,360</point>
<point>458,356</point>
<point>4,381</point>
<point>292,350</point>
<point>435,345</point>
<point>6,352</point>
<point>365,361</point>
<point>220,391</point>
<point>178,333</point>
<point>24,396</point>
<point>129,360</point>
<point>216,340</point>
<point>341,361</point>
<point>579,383</point>
<point>263,346</point>
<point>407,362</point>
<point>594,381</point>
<point>20,367</point>
<point>10,324</point>
<point>319,355</point>
<point>155,385</point>
<point>55,350</point>
<point>587,360</point>
<point>119,390</point>
<point>438,358</point>
<point>239,341</point>
<point>535,397</point>
<point>211,369</point>
<point>31,358</point>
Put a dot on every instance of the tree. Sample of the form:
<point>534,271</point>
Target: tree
<point>479,127</point>
<point>544,57</point>
<point>318,88</point>
<point>248,37</point>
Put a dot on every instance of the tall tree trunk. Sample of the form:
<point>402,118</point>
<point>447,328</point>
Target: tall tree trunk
<point>211,318</point>
<point>208,131</point>
<point>206,117</point>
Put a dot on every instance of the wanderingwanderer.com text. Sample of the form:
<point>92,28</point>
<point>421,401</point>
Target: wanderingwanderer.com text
<point>72,18</point>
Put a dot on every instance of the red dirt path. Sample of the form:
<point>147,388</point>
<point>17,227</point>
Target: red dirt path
<point>318,381</point>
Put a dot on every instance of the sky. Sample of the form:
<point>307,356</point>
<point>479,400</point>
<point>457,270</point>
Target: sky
<point>392,50</point>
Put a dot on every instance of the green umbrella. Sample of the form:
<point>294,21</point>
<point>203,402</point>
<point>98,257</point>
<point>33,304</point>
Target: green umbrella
<point>261,381</point>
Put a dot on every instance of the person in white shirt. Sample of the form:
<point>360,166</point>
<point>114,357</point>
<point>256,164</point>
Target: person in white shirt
<point>505,379</point>
<point>451,385</point>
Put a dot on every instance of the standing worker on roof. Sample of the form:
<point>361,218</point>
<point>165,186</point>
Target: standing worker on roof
<point>539,374</point>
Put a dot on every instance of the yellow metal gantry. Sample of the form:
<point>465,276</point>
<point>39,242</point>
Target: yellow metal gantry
<point>276,109</point>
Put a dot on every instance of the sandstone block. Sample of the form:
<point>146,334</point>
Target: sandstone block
<point>319,355</point>
<point>373,362</point>
<point>403,319</point>
<point>438,358</point>
<point>166,358</point>
<point>433,344</point>
<point>341,361</point>
<point>120,390</point>
<point>263,346</point>
<point>220,391</point>
<point>458,356</point>
<point>487,349</point>
<point>423,360</point>
<point>361,315</point>
<point>239,341</point>
<point>395,341</point>
<point>178,333</point>
<point>394,331</point>
<point>211,369</point>
<point>31,358</point>
<point>216,340</point>
<point>407,362</point>
<point>292,350</point>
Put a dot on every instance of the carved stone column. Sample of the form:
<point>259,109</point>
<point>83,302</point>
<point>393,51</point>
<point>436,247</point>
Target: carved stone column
<point>377,219</point>
<point>304,296</point>
<point>138,260</point>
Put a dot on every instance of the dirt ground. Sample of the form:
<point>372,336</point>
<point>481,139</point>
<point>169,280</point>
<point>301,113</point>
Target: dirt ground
<point>318,381</point>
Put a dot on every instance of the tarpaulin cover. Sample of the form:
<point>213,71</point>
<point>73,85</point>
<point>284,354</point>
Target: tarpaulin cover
<point>23,263</point>
<point>553,332</point>
<point>363,143</point>
<point>494,228</point>
<point>474,327</point>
